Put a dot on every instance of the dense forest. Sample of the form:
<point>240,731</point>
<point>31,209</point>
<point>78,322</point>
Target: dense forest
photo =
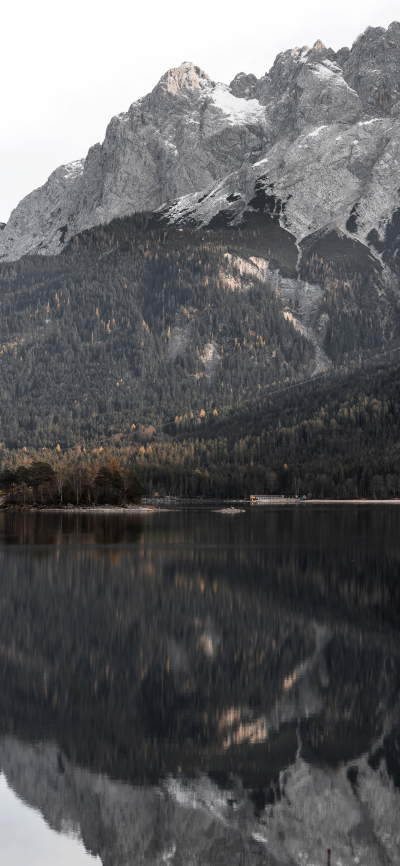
<point>138,322</point>
<point>361,311</point>
<point>146,345</point>
<point>134,321</point>
<point>333,437</point>
<point>338,437</point>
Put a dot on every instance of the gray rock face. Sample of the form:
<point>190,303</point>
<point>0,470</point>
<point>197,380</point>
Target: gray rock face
<point>333,154</point>
<point>187,133</point>
<point>317,136</point>
<point>373,69</point>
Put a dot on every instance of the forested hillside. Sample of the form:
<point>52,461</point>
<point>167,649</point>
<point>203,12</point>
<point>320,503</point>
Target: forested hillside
<point>135,322</point>
<point>333,437</point>
<point>360,309</point>
<point>138,322</point>
<point>338,437</point>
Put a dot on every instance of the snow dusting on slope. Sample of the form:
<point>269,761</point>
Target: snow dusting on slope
<point>332,73</point>
<point>317,131</point>
<point>171,145</point>
<point>368,122</point>
<point>74,169</point>
<point>236,109</point>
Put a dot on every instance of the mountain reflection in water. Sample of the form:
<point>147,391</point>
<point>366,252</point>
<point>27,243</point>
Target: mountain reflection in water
<point>193,687</point>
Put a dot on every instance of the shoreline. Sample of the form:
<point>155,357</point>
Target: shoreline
<point>156,505</point>
<point>77,509</point>
<point>329,502</point>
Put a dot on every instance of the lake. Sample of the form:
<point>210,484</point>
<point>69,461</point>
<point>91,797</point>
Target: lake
<point>191,687</point>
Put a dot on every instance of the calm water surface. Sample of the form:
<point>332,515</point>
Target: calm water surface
<point>188,687</point>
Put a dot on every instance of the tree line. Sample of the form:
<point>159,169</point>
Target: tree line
<point>39,483</point>
<point>335,438</point>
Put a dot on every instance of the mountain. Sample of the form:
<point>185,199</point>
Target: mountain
<point>331,155</point>
<point>135,322</point>
<point>221,240</point>
<point>314,141</point>
<point>187,133</point>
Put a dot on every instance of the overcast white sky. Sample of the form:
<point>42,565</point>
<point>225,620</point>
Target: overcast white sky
<point>67,68</point>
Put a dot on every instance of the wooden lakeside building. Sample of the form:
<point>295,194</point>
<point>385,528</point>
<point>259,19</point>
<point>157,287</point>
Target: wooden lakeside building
<point>265,498</point>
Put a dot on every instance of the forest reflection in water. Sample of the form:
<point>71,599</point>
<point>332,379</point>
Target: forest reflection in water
<point>189,648</point>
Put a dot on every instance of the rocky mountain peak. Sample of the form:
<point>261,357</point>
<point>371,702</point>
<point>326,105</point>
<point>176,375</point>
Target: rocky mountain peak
<point>295,52</point>
<point>320,127</point>
<point>373,68</point>
<point>243,85</point>
<point>187,76</point>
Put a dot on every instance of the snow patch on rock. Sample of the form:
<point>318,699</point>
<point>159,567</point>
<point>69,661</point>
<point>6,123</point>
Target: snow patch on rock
<point>74,169</point>
<point>317,131</point>
<point>332,73</point>
<point>236,109</point>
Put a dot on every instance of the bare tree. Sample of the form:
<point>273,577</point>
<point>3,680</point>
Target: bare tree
<point>60,486</point>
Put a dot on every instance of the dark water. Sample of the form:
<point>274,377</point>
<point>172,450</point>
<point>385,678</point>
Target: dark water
<point>191,687</point>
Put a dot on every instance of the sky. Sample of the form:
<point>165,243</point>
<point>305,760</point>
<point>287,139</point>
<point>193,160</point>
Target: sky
<point>67,68</point>
<point>24,830</point>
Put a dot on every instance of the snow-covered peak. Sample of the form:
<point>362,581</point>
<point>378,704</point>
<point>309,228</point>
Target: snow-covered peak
<point>191,134</point>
